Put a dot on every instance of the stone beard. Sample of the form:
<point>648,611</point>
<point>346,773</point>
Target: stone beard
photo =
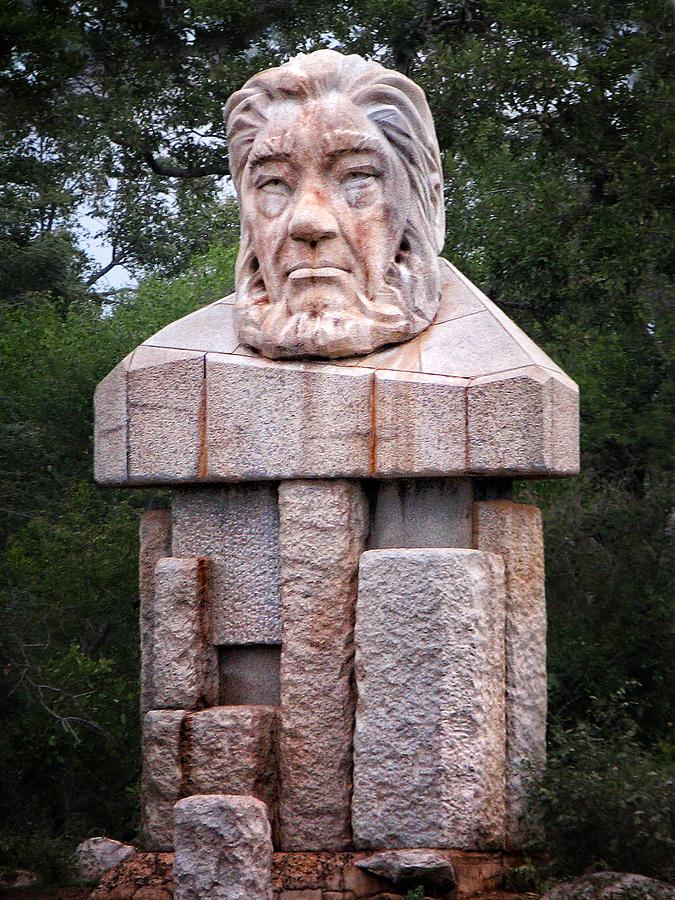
<point>338,172</point>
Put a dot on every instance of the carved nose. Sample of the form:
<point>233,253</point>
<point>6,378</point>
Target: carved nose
<point>312,221</point>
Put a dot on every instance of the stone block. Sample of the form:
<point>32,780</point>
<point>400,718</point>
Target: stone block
<point>408,868</point>
<point>300,420</point>
<point>223,849</point>
<point>361,882</point>
<point>459,296</point>
<point>250,675</point>
<point>209,329</point>
<point>514,531</point>
<point>166,412</point>
<point>420,424</point>
<point>97,855</point>
<point>323,527</point>
<point>429,739</point>
<point>470,346</point>
<point>184,664</point>
<point>110,426</point>
<point>162,779</point>
<point>231,750</point>
<point>526,420</point>
<point>219,749</point>
<point>237,528</point>
<point>421,512</point>
<point>305,870</point>
<point>155,543</point>
<point>300,895</point>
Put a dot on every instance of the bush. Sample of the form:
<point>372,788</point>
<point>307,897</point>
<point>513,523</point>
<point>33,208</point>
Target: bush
<point>605,802</point>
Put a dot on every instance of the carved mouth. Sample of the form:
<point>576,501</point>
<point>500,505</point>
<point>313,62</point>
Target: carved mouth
<point>302,270</point>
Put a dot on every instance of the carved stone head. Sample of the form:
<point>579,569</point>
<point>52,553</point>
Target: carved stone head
<point>338,172</point>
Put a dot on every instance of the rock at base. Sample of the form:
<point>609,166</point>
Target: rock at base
<point>97,855</point>
<point>223,849</point>
<point>408,868</point>
<point>612,886</point>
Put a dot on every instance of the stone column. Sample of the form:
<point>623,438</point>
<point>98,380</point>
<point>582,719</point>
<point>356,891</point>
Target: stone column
<point>429,739</point>
<point>514,531</point>
<point>183,664</point>
<point>223,849</point>
<point>323,527</point>
<point>155,542</point>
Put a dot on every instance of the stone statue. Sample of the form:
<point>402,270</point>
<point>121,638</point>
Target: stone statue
<point>343,679</point>
<point>338,173</point>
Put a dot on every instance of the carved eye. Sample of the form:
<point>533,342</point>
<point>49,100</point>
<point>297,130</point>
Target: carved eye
<point>359,179</point>
<point>275,186</point>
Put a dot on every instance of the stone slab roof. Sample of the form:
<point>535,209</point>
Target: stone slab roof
<point>470,395</point>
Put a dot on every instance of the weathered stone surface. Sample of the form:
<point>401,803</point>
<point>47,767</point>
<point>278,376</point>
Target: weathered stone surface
<point>250,675</point>
<point>336,875</point>
<point>209,329</point>
<point>143,876</point>
<point>265,420</point>
<point>322,534</point>
<point>184,664</point>
<point>219,749</point>
<point>395,415</point>
<point>231,750</point>
<point>473,345</point>
<point>110,433</point>
<point>301,895</point>
<point>612,886</point>
<point>223,849</point>
<point>429,739</point>
<point>327,267</point>
<point>155,542</point>
<point>162,779</point>
<point>97,855</point>
<point>302,871</point>
<point>165,410</point>
<point>408,868</point>
<point>237,528</point>
<point>514,531</point>
<point>422,512</point>
<point>525,420</point>
<point>420,424</point>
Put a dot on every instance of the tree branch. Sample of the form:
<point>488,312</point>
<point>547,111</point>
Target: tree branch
<point>173,172</point>
<point>115,261</point>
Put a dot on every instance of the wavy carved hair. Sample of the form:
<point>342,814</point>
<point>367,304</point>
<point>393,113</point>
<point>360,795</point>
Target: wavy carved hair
<point>392,101</point>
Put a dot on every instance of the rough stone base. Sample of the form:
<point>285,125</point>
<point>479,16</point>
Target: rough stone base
<point>305,876</point>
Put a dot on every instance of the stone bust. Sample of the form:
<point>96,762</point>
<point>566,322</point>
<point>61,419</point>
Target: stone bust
<point>337,167</point>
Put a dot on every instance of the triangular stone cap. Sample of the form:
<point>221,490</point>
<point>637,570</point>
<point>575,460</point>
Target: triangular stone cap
<point>470,395</point>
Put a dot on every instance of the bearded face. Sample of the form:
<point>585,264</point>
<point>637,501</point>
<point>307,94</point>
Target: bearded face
<point>336,258</point>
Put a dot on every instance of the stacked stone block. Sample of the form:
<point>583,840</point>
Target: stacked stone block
<point>322,510</point>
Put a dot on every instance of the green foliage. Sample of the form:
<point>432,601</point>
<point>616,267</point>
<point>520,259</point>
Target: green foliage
<point>610,599</point>
<point>70,742</point>
<point>525,877</point>
<point>415,894</point>
<point>605,802</point>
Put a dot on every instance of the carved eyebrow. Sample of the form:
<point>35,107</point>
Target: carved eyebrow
<point>270,149</point>
<point>341,142</point>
